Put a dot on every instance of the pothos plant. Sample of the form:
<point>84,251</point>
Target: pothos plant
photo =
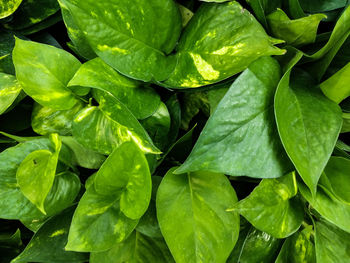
<point>164,131</point>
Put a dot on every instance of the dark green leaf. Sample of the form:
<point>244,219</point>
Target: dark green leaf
<point>259,247</point>
<point>242,128</point>
<point>298,248</point>
<point>47,245</point>
<point>332,209</point>
<point>332,243</point>
<point>309,124</point>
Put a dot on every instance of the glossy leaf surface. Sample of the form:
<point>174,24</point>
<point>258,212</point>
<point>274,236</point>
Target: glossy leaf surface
<point>273,200</point>
<point>308,125</point>
<point>242,128</point>
<point>9,91</point>
<point>207,52</point>
<point>196,203</point>
<point>126,38</point>
<point>44,72</point>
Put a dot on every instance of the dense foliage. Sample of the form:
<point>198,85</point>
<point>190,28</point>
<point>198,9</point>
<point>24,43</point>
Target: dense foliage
<point>162,131</point>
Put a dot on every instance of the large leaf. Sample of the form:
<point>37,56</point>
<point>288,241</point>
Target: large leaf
<point>243,128</point>
<point>309,124</point>
<point>137,248</point>
<point>126,37</point>
<point>298,248</point>
<point>36,173</point>
<point>141,101</point>
<point>332,243</point>
<point>13,204</point>
<point>145,244</point>
<point>259,247</point>
<point>273,200</point>
<point>121,189</point>
<point>126,171</point>
<point>191,210</point>
<point>9,91</point>
<point>44,72</point>
<point>336,87</point>
<point>105,127</point>
<point>7,7</point>
<point>331,208</point>
<point>220,40</point>
<point>297,32</point>
<point>98,223</point>
<point>47,245</point>
<point>46,120</point>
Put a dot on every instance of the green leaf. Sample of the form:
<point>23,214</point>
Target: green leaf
<point>137,248</point>
<point>214,53</point>
<point>244,230</point>
<point>82,156</point>
<point>191,210</point>
<point>104,128</point>
<point>46,120</point>
<point>44,72</point>
<point>141,101</point>
<point>158,126</point>
<point>273,200</point>
<point>98,223</point>
<point>336,178</point>
<point>262,8</point>
<point>13,204</point>
<point>30,13</point>
<point>321,5</point>
<point>297,32</point>
<point>323,58</point>
<point>336,87</point>
<point>9,91</point>
<point>309,124</point>
<point>126,171</point>
<point>298,248</point>
<point>145,244</point>
<point>335,211</point>
<point>126,37</point>
<point>242,128</point>
<point>259,247</point>
<point>7,7</point>
<point>346,123</point>
<point>47,245</point>
<point>36,173</point>
<point>332,243</point>
<point>75,34</point>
